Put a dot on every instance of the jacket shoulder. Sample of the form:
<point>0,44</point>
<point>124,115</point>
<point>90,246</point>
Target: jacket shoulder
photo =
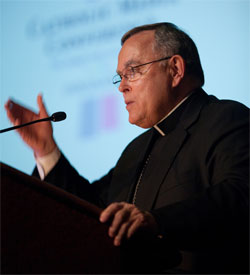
<point>227,105</point>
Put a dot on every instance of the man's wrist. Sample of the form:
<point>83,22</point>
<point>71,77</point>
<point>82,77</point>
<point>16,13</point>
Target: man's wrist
<point>47,162</point>
<point>48,149</point>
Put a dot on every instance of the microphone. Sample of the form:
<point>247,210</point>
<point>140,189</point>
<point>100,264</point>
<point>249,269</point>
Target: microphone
<point>58,116</point>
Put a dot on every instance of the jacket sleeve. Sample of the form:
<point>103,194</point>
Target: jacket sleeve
<point>64,176</point>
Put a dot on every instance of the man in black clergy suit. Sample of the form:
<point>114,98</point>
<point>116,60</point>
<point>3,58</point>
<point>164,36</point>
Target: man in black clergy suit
<point>186,178</point>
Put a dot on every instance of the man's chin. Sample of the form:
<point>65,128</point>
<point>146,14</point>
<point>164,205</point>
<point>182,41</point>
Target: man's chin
<point>139,123</point>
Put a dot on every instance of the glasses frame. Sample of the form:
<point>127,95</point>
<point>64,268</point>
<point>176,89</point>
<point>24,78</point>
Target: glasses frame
<point>137,66</point>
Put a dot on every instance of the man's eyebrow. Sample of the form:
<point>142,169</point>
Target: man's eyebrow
<point>129,63</point>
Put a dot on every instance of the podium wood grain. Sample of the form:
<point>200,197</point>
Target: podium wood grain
<point>46,230</point>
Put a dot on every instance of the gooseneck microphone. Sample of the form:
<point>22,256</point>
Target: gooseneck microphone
<point>58,116</point>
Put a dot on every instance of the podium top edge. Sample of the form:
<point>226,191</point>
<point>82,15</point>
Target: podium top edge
<point>50,190</point>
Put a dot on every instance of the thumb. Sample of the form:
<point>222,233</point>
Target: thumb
<point>42,109</point>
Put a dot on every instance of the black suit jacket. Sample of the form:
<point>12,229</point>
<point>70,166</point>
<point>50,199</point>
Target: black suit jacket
<point>196,183</point>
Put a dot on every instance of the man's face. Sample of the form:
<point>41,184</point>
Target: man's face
<point>147,99</point>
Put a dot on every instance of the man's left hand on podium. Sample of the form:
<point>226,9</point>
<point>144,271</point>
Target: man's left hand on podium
<point>126,219</point>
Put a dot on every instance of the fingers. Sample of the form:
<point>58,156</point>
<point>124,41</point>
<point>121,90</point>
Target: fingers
<point>39,137</point>
<point>13,110</point>
<point>122,233</point>
<point>8,105</point>
<point>138,222</point>
<point>146,221</point>
<point>126,220</point>
<point>16,122</point>
<point>108,212</point>
<point>119,213</point>
<point>42,109</point>
<point>121,218</point>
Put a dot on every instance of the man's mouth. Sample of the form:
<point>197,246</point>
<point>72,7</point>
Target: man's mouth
<point>128,103</point>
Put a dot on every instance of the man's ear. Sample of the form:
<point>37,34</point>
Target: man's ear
<point>177,69</point>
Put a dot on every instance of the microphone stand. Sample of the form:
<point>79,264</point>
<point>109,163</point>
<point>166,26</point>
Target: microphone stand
<point>55,117</point>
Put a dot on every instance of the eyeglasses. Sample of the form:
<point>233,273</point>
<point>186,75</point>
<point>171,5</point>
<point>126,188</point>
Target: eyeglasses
<point>132,73</point>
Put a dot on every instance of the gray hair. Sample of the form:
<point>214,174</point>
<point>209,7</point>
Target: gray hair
<point>170,40</point>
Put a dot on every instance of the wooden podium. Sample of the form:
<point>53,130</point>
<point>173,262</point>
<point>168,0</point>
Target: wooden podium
<point>45,230</point>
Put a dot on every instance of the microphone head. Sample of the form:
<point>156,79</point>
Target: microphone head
<point>58,116</point>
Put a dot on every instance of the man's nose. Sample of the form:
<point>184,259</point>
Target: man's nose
<point>124,85</point>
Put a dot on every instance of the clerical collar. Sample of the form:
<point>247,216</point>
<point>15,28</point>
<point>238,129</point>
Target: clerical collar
<point>156,126</point>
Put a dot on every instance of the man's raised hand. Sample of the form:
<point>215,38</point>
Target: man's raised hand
<point>39,137</point>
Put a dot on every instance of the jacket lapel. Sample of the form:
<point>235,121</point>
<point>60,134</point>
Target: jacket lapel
<point>128,167</point>
<point>161,159</point>
<point>165,152</point>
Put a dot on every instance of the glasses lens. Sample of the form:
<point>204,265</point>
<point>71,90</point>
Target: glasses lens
<point>133,73</point>
<point>116,80</point>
